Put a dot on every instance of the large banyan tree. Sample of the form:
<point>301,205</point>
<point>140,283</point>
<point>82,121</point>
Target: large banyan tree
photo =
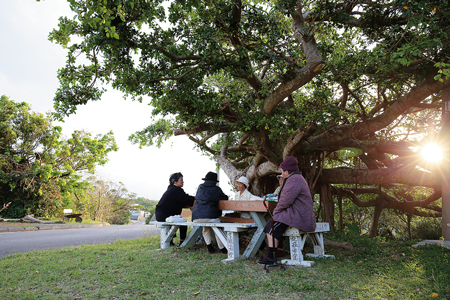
<point>350,88</point>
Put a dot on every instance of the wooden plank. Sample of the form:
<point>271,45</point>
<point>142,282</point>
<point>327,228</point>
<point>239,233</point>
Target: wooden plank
<point>229,225</point>
<point>256,205</point>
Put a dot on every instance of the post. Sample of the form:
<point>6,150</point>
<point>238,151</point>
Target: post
<point>446,164</point>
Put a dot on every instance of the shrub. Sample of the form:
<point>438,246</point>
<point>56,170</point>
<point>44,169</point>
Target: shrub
<point>427,229</point>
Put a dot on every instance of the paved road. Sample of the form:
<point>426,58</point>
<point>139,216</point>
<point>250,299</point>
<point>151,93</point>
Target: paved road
<point>25,241</point>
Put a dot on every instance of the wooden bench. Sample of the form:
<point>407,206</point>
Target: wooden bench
<point>67,214</point>
<point>297,241</point>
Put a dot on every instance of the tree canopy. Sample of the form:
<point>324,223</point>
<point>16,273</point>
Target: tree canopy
<point>38,167</point>
<point>350,88</point>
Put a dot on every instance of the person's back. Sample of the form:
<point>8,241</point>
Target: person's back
<point>206,208</point>
<point>295,205</point>
<point>207,201</point>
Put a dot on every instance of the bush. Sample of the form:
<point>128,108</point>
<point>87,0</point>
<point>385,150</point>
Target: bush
<point>427,229</point>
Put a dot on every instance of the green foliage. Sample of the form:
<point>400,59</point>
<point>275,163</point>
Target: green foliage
<point>147,205</point>
<point>354,229</point>
<point>103,201</point>
<point>427,229</point>
<point>39,168</point>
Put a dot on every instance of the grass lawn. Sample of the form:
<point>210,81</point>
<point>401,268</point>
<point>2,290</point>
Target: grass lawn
<point>135,269</point>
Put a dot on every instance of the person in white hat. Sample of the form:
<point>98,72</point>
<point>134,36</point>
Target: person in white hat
<point>243,194</point>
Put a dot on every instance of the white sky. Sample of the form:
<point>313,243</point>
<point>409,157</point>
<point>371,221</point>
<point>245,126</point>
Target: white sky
<point>28,73</point>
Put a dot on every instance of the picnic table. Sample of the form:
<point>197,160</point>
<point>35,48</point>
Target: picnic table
<point>227,231</point>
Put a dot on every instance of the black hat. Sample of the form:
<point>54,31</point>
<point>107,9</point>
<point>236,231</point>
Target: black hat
<point>211,176</point>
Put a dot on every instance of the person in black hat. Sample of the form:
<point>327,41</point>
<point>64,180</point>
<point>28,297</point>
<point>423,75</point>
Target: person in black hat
<point>173,201</point>
<point>206,208</point>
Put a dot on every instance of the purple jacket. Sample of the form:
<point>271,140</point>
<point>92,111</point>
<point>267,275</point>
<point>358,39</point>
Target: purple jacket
<point>295,205</point>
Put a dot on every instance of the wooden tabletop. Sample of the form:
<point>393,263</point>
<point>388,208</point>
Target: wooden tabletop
<point>256,205</point>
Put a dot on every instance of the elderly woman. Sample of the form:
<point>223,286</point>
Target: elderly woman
<point>173,201</point>
<point>294,208</point>
<point>243,194</point>
<point>206,209</point>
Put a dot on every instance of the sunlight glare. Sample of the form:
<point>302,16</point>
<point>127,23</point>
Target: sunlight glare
<point>432,153</point>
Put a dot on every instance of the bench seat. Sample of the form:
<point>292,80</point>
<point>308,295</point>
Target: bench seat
<point>297,239</point>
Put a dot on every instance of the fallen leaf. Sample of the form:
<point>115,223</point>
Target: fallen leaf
<point>142,294</point>
<point>82,259</point>
<point>37,271</point>
<point>196,293</point>
<point>433,295</point>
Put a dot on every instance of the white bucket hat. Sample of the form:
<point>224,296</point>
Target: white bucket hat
<point>243,180</point>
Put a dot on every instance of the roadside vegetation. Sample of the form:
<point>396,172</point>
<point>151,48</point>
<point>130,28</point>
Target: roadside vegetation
<point>136,269</point>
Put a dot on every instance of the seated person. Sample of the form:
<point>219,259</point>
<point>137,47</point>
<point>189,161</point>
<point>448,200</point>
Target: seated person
<point>243,194</point>
<point>294,208</point>
<point>173,201</point>
<point>206,209</point>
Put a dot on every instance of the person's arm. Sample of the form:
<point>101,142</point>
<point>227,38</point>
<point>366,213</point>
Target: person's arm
<point>253,197</point>
<point>291,190</point>
<point>222,195</point>
<point>185,199</point>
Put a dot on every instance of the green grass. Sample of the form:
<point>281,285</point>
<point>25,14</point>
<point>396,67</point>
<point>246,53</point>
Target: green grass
<point>135,269</point>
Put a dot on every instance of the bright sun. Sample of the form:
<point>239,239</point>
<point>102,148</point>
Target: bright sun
<point>432,153</point>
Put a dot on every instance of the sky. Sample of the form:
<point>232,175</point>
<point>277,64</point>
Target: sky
<point>28,73</point>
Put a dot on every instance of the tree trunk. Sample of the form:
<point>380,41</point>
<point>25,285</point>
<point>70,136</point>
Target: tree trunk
<point>32,219</point>
<point>376,216</point>
<point>328,204</point>
<point>408,223</point>
<point>341,217</point>
<point>343,245</point>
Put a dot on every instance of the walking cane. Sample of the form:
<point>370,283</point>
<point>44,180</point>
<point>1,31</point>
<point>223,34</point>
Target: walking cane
<point>274,249</point>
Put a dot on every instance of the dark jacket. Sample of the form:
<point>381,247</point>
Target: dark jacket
<point>295,205</point>
<point>172,202</point>
<point>207,201</point>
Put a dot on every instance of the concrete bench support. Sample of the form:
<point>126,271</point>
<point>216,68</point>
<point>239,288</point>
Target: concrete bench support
<point>297,241</point>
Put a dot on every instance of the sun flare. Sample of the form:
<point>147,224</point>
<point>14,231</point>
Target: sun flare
<point>432,153</point>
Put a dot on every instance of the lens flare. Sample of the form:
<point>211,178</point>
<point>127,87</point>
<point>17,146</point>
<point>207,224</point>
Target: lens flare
<point>432,153</point>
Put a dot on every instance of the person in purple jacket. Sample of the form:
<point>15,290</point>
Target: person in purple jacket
<point>294,208</point>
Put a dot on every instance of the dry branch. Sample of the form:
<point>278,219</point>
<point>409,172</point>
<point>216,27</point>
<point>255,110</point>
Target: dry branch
<point>32,219</point>
<point>5,206</point>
